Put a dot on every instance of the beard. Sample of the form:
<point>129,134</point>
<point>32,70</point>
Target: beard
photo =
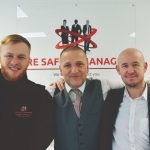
<point>12,76</point>
<point>132,85</point>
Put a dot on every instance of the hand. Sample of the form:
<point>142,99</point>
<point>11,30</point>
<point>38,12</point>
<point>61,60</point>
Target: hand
<point>58,83</point>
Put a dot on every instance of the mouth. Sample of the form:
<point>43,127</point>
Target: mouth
<point>75,76</point>
<point>12,68</point>
<point>133,76</point>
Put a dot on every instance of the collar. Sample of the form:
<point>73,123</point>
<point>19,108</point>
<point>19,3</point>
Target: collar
<point>81,88</point>
<point>12,83</point>
<point>143,96</point>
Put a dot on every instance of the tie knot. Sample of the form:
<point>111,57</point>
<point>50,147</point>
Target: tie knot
<point>75,94</point>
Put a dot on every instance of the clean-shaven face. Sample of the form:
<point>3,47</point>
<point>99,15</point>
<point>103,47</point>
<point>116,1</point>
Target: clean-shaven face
<point>74,68</point>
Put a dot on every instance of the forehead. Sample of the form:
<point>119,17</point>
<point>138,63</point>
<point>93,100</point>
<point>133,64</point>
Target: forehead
<point>15,48</point>
<point>130,58</point>
<point>73,56</point>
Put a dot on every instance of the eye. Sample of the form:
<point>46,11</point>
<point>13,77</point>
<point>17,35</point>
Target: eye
<point>9,56</point>
<point>80,64</point>
<point>136,65</point>
<point>124,65</point>
<point>67,65</point>
<point>21,57</point>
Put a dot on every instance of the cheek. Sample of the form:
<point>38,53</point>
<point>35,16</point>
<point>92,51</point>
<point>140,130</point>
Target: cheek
<point>24,65</point>
<point>87,70</point>
<point>63,72</point>
<point>118,71</point>
<point>121,72</point>
<point>4,63</point>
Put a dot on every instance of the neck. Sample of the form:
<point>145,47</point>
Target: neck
<point>136,91</point>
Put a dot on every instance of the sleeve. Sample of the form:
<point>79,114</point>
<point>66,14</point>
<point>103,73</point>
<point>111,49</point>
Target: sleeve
<point>110,84</point>
<point>50,90</point>
<point>44,127</point>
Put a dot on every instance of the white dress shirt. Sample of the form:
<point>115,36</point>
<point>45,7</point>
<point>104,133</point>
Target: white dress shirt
<point>81,88</point>
<point>106,86</point>
<point>132,124</point>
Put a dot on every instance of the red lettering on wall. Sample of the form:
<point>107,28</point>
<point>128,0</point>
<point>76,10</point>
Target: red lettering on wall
<point>34,62</point>
<point>102,61</point>
<point>49,61</point>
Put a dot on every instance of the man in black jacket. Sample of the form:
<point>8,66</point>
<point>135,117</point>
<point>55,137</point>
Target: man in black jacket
<point>26,108</point>
<point>76,28</point>
<point>86,31</point>
<point>64,35</point>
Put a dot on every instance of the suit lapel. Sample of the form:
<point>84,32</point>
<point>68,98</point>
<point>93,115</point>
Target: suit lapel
<point>63,98</point>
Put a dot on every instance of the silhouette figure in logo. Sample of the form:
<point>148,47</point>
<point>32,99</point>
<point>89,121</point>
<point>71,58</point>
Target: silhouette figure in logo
<point>76,28</point>
<point>86,31</point>
<point>64,36</point>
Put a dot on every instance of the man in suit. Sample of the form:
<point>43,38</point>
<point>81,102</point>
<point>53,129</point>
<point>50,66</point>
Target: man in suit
<point>78,130</point>
<point>64,35</point>
<point>26,108</point>
<point>125,119</point>
<point>76,28</point>
<point>86,31</point>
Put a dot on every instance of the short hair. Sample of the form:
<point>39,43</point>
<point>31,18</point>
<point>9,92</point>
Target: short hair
<point>72,48</point>
<point>14,38</point>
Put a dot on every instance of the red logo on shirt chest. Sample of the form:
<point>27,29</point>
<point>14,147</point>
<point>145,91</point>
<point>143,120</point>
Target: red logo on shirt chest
<point>23,112</point>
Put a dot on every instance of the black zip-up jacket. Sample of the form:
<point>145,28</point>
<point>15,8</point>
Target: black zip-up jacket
<point>26,115</point>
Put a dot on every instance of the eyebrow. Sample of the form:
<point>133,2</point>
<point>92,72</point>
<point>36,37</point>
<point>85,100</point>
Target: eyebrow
<point>135,62</point>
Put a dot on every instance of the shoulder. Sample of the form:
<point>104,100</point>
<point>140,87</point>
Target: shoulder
<point>35,87</point>
<point>91,80</point>
<point>148,85</point>
<point>93,83</point>
<point>116,91</point>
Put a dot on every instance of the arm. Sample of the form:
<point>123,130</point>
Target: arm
<point>44,127</point>
<point>110,84</point>
<point>59,83</point>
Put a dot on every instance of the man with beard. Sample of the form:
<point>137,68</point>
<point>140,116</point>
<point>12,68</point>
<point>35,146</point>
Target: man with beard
<point>126,111</point>
<point>26,108</point>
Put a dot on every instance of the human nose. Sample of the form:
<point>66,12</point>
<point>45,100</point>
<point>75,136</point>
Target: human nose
<point>74,69</point>
<point>130,69</point>
<point>14,61</point>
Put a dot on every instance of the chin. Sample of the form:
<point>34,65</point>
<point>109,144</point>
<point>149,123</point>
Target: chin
<point>131,84</point>
<point>13,78</point>
<point>75,86</point>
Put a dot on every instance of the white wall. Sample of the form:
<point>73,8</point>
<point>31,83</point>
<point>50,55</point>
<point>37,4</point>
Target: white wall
<point>114,20</point>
